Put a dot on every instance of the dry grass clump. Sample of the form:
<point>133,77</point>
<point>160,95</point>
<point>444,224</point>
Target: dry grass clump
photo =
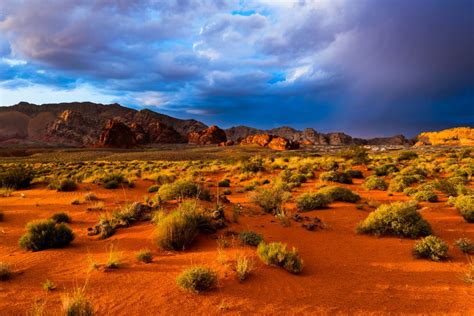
<point>144,255</point>
<point>277,254</point>
<point>76,303</point>
<point>250,238</point>
<point>5,271</point>
<point>396,219</point>
<point>465,245</point>
<point>243,267</point>
<point>197,279</point>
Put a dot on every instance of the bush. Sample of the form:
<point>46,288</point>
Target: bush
<point>465,245</point>
<point>253,165</point>
<point>385,169</point>
<point>465,205</point>
<point>16,178</point>
<point>277,254</point>
<point>197,279</point>
<point>178,230</point>
<point>250,238</point>
<point>243,267</point>
<point>431,247</point>
<point>271,200</point>
<point>335,176</point>
<point>110,185</point>
<point>153,188</point>
<point>407,155</point>
<point>375,183</point>
<point>61,218</point>
<point>67,186</point>
<point>45,234</point>
<point>428,196</point>
<point>396,219</point>
<point>400,183</point>
<point>312,201</point>
<point>5,271</point>
<point>182,189</point>
<point>77,304</point>
<point>358,154</point>
<point>335,193</point>
<point>355,174</point>
<point>145,255</point>
<point>224,183</point>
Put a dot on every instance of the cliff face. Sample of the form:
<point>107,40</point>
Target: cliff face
<point>458,136</point>
<point>81,124</point>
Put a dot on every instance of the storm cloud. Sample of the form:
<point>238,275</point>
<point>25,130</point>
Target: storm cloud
<point>366,67</point>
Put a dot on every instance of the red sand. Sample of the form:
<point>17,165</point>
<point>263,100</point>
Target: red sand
<point>344,273</point>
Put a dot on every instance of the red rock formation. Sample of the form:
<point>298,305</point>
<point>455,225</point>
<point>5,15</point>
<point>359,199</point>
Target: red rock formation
<point>260,139</point>
<point>270,141</point>
<point>211,135</point>
<point>117,135</point>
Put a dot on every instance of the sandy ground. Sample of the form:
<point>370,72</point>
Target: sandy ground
<point>344,273</point>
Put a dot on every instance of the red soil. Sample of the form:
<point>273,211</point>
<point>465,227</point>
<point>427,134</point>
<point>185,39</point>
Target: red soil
<point>345,273</point>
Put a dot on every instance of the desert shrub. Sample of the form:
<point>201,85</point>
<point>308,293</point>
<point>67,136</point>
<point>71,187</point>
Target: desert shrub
<point>110,185</point>
<point>396,219</point>
<point>277,254</point>
<point>425,195</point>
<point>182,189</point>
<point>270,200</point>
<point>312,201</point>
<point>410,191</point>
<point>90,197</point>
<point>16,178</point>
<point>465,245</point>
<point>465,205</point>
<point>61,218</point>
<point>48,285</point>
<point>77,304</point>
<point>400,183</point>
<point>250,238</point>
<point>224,183</point>
<point>163,178</point>
<point>5,271</point>
<point>178,230</point>
<point>243,267</point>
<point>145,255</point>
<point>44,234</point>
<point>385,169</point>
<point>153,188</point>
<point>253,165</point>
<point>407,155</point>
<point>358,154</point>
<point>67,185</point>
<point>335,176</point>
<point>355,174</point>
<point>197,279</point>
<point>375,183</point>
<point>431,247</point>
<point>335,193</point>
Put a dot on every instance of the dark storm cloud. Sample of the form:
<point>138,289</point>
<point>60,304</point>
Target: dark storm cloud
<point>329,64</point>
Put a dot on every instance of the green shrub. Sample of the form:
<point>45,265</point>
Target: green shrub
<point>110,185</point>
<point>465,205</point>
<point>270,200</point>
<point>67,185</point>
<point>396,219</point>
<point>182,189</point>
<point>431,247</point>
<point>61,218</point>
<point>355,174</point>
<point>5,271</point>
<point>312,201</point>
<point>335,193</point>
<point>335,176</point>
<point>465,245</point>
<point>385,170</point>
<point>277,254</point>
<point>407,155</point>
<point>400,183</point>
<point>145,255</point>
<point>250,238</point>
<point>153,188</point>
<point>224,183</point>
<point>375,183</point>
<point>44,234</point>
<point>253,165</point>
<point>163,178</point>
<point>16,178</point>
<point>197,279</point>
<point>428,196</point>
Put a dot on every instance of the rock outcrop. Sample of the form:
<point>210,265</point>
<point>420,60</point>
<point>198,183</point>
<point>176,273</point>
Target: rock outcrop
<point>270,141</point>
<point>116,134</point>
<point>459,136</point>
<point>209,136</point>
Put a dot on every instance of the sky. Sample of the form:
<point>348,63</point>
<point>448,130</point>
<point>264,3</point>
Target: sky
<point>365,67</point>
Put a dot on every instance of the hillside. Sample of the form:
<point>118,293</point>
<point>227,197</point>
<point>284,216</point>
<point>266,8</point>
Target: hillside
<point>458,136</point>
